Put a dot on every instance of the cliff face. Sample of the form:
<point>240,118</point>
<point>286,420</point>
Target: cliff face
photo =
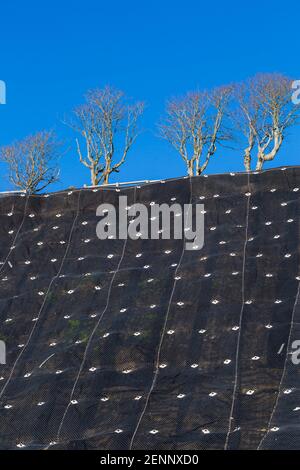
<point>141,344</point>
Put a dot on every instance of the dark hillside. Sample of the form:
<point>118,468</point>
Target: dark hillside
<point>154,347</point>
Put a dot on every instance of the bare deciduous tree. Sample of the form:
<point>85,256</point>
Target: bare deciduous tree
<point>32,162</point>
<point>108,127</point>
<point>194,126</point>
<point>265,112</point>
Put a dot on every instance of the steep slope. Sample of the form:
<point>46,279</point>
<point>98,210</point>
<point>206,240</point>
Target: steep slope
<point>141,344</point>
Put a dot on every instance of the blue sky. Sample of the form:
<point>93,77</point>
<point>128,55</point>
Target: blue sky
<point>53,52</point>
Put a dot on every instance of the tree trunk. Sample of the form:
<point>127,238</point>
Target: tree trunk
<point>190,168</point>
<point>94,178</point>
<point>106,176</point>
<point>260,162</point>
<point>247,161</point>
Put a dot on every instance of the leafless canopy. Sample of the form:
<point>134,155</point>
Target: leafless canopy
<point>265,112</point>
<point>194,126</point>
<point>108,127</point>
<point>32,162</point>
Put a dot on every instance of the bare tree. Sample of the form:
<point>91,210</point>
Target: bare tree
<point>265,112</point>
<point>108,127</point>
<point>32,162</point>
<point>246,116</point>
<point>194,126</point>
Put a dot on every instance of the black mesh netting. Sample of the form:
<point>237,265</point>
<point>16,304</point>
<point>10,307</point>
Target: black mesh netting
<point>140,344</point>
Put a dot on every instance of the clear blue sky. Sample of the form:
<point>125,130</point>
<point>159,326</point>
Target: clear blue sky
<point>52,52</point>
